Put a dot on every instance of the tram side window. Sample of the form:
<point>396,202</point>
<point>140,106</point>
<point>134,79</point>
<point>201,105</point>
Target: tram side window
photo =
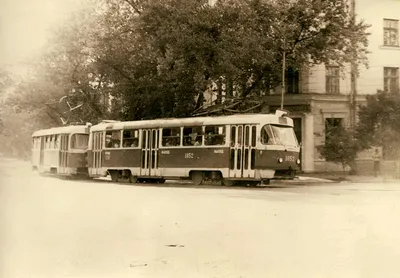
<point>130,138</point>
<point>35,144</point>
<point>214,135</point>
<point>38,143</point>
<point>171,136</point>
<point>79,141</point>
<point>47,145</point>
<point>113,139</point>
<point>52,141</point>
<point>266,135</point>
<point>192,136</point>
<point>57,142</point>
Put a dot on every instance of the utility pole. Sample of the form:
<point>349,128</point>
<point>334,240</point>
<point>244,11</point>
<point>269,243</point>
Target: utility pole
<point>353,70</point>
<point>283,75</point>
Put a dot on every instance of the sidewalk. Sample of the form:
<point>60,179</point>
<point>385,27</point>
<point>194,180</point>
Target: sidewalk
<point>336,177</point>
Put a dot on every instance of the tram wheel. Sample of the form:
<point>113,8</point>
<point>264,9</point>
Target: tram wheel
<point>161,181</point>
<point>228,182</point>
<point>253,183</point>
<point>114,176</point>
<point>133,179</point>
<point>266,182</point>
<point>197,178</point>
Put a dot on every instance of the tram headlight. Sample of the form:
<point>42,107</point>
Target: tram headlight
<point>280,160</point>
<point>298,161</point>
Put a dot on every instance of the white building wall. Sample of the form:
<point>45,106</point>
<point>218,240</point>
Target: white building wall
<point>370,79</point>
<point>317,80</point>
<point>373,12</point>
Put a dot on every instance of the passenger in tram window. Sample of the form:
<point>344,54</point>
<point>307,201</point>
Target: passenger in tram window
<point>175,141</point>
<point>168,142</point>
<point>188,141</point>
<point>108,143</point>
<point>217,140</point>
<point>134,143</point>
<point>116,144</point>
<point>195,139</point>
<point>222,140</point>
<point>209,139</point>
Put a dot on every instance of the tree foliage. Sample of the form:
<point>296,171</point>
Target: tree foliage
<point>340,147</point>
<point>5,82</point>
<point>65,76</point>
<point>379,123</point>
<point>141,59</point>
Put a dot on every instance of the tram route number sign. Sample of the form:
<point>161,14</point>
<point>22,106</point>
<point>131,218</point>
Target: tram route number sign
<point>289,158</point>
<point>189,155</point>
<point>107,155</point>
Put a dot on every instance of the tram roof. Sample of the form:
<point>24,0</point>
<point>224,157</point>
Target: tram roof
<point>195,121</point>
<point>62,130</point>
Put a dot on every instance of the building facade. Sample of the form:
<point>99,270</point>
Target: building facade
<point>322,95</point>
<point>325,95</point>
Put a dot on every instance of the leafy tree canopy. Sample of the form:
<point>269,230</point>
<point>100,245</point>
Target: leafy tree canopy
<point>379,123</point>
<point>340,146</point>
<point>138,59</point>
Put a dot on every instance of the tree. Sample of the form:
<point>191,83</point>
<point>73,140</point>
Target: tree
<point>169,52</point>
<point>340,147</point>
<point>5,83</point>
<point>65,76</point>
<point>15,125</point>
<point>147,59</point>
<point>242,42</point>
<point>379,123</point>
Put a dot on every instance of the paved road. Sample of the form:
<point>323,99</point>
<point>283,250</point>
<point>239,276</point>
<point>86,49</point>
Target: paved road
<point>58,228</point>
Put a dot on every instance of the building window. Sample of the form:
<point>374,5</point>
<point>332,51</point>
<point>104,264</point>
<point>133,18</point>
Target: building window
<point>332,80</point>
<point>292,81</point>
<point>390,32</point>
<point>391,80</point>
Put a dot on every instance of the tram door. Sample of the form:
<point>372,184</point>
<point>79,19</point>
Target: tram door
<point>63,159</point>
<point>242,152</point>
<point>97,146</point>
<point>42,145</point>
<point>150,145</point>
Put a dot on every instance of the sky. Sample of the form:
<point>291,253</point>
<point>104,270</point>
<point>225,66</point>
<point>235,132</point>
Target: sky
<point>25,26</point>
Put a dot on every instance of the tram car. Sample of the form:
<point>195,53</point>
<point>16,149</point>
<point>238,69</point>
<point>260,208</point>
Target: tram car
<point>61,150</point>
<point>247,148</point>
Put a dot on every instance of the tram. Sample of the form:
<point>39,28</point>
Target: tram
<point>246,148</point>
<point>61,150</point>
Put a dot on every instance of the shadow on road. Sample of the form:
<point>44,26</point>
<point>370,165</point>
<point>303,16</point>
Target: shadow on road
<point>186,184</point>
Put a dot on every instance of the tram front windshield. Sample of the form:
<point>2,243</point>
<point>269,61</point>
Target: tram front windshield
<point>278,135</point>
<point>79,141</point>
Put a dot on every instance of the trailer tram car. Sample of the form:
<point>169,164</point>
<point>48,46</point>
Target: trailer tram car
<point>61,151</point>
<point>233,149</point>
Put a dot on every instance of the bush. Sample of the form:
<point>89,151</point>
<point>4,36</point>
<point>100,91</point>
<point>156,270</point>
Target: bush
<point>340,147</point>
